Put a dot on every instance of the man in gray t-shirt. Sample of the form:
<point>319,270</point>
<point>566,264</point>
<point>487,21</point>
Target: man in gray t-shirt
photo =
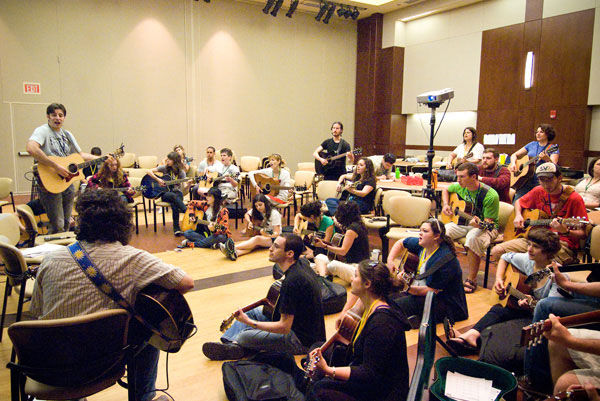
<point>52,140</point>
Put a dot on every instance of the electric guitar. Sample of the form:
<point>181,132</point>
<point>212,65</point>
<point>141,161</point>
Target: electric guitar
<point>74,163</point>
<point>537,218</point>
<point>321,169</point>
<point>406,270</point>
<point>532,335</point>
<point>462,213</point>
<point>343,335</point>
<point>524,168</point>
<point>268,303</point>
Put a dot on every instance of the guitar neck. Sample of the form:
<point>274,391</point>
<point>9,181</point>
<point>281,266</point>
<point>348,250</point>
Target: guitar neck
<point>516,293</point>
<point>178,181</point>
<point>91,162</point>
<point>256,304</point>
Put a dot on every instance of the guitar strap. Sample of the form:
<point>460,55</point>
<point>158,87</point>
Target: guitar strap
<point>567,191</point>
<point>104,286</point>
<point>497,171</point>
<point>471,148</point>
<point>478,211</point>
<point>436,266</point>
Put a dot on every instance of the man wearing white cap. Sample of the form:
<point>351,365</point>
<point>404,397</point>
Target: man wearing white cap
<point>557,201</point>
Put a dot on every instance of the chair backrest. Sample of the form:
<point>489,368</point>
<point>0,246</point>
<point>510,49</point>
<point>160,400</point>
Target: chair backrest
<point>249,163</point>
<point>326,189</point>
<point>136,172</point>
<point>377,201</point>
<point>193,171</point>
<point>9,227</point>
<point>148,162</point>
<point>303,177</point>
<point>425,352</point>
<point>511,194</point>
<point>595,243</point>
<point>28,219</point>
<point>127,160</point>
<point>306,166</point>
<point>387,195</point>
<point>135,182</point>
<point>594,216</point>
<point>6,185</point>
<point>504,213</point>
<point>409,211</point>
<point>73,351</point>
<point>14,263</point>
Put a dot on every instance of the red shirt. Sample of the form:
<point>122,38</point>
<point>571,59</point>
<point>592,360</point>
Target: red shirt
<point>538,198</point>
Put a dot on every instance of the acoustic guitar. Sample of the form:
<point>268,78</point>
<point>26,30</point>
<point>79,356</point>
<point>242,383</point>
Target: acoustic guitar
<point>270,186</point>
<point>406,270</point>
<point>321,169</point>
<point>268,303</point>
<point>153,190</point>
<point>525,169</point>
<point>532,335</point>
<point>537,218</point>
<point>208,179</point>
<point>517,287</point>
<point>74,163</point>
<point>459,160</point>
<point>168,312</point>
<point>462,213</point>
<point>343,335</point>
<point>194,215</point>
<point>578,394</point>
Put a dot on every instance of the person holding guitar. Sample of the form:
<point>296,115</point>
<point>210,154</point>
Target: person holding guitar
<point>311,222</point>
<point>186,162</point>
<point>557,201</point>
<point>494,175</point>
<point>263,222</point>
<point>334,146</point>
<point>589,189</point>
<point>362,189</point>
<point>469,151</point>
<point>228,175</point>
<point>544,135</point>
<point>173,169</point>
<point>217,230</point>
<point>376,362</point>
<point>111,175</point>
<point>275,170</point>
<point>353,248</point>
<point>62,290</point>
<point>297,320</point>
<point>485,202</point>
<point>209,165</point>
<point>542,246</point>
<point>52,140</point>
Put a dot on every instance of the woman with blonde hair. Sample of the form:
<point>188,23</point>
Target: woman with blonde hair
<point>111,175</point>
<point>275,170</point>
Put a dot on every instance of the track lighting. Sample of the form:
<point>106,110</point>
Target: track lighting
<point>275,10</point>
<point>321,12</point>
<point>268,6</point>
<point>293,6</point>
<point>329,13</point>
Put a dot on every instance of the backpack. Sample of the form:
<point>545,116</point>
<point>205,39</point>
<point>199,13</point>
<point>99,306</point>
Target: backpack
<point>249,380</point>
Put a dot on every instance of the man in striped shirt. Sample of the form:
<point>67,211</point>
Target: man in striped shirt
<point>63,290</point>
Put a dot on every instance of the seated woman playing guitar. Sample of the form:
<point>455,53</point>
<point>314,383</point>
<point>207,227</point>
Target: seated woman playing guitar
<point>362,189</point>
<point>111,175</point>
<point>542,246</point>
<point>437,270</point>
<point>263,222</point>
<point>275,170</point>
<point>217,231</point>
<point>354,247</point>
<point>311,222</point>
<point>173,170</point>
<point>186,162</point>
<point>468,151</point>
<point>376,363</point>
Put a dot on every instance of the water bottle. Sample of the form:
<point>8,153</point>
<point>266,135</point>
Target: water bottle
<point>375,255</point>
<point>397,172</point>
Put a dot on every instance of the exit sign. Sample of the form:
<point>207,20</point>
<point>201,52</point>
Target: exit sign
<point>31,88</point>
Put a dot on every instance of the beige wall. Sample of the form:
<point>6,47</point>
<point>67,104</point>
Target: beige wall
<point>155,73</point>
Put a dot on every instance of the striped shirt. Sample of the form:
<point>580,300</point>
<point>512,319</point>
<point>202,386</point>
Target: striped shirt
<point>62,290</point>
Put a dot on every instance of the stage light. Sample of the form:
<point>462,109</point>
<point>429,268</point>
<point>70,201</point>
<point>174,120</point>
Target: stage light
<point>329,14</point>
<point>355,13</point>
<point>293,6</point>
<point>268,6</point>
<point>278,4</point>
<point>321,12</point>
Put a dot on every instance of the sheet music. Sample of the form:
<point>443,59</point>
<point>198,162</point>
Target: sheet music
<point>40,250</point>
<point>466,388</point>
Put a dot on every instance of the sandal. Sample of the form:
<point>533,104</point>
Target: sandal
<point>462,347</point>
<point>449,329</point>
<point>470,286</point>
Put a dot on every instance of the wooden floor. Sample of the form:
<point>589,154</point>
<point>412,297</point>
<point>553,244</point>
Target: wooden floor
<point>221,287</point>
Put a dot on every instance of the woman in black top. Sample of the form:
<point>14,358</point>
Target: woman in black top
<point>354,247</point>
<point>361,189</point>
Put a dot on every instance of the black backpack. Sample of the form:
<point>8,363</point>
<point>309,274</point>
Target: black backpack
<point>249,380</point>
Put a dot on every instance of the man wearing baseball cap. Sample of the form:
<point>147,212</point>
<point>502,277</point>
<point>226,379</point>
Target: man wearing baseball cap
<point>557,201</point>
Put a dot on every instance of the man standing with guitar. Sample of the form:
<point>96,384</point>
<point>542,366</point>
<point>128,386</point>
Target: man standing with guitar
<point>52,140</point>
<point>332,147</point>
<point>62,290</point>
<point>297,320</point>
<point>485,202</point>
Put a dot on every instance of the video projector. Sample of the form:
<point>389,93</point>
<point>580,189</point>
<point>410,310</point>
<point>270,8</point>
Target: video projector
<point>435,97</point>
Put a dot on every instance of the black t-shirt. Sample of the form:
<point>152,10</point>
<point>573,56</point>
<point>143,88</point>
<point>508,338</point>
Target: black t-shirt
<point>365,203</point>
<point>300,296</point>
<point>360,247</point>
<point>336,167</point>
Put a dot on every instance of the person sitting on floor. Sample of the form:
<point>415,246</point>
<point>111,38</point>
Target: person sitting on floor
<point>217,231</point>
<point>318,224</point>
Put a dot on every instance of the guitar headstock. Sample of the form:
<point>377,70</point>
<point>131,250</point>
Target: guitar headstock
<point>300,188</point>
<point>534,278</point>
<point>532,335</point>
<point>119,152</point>
<point>357,152</point>
<point>487,225</point>
<point>575,222</point>
<point>225,324</point>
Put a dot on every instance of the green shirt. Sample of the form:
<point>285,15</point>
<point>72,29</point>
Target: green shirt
<point>326,221</point>
<point>491,202</point>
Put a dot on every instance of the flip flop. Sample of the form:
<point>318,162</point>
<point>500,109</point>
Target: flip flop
<point>470,286</point>
<point>462,347</point>
<point>449,329</point>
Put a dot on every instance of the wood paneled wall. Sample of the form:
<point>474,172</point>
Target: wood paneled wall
<point>379,125</point>
<point>562,46</point>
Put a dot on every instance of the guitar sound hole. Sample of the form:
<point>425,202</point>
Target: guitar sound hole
<point>73,168</point>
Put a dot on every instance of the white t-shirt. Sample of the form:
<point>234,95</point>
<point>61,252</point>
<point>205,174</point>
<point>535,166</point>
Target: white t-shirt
<point>54,143</point>
<point>589,193</point>
<point>272,222</point>
<point>217,166</point>
<point>477,150</point>
<point>284,180</point>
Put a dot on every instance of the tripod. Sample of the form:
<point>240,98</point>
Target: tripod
<point>428,191</point>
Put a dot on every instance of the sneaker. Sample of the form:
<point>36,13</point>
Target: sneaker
<point>184,244</point>
<point>230,248</point>
<point>178,232</point>
<point>215,245</point>
<point>220,351</point>
<point>223,249</point>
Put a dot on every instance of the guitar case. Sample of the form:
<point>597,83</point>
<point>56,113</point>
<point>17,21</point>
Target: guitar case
<point>500,345</point>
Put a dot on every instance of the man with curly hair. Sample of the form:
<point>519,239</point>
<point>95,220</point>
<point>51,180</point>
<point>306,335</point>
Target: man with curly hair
<point>62,289</point>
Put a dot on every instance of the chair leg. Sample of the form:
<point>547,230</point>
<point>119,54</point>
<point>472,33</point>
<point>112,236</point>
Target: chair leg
<point>12,200</point>
<point>164,210</point>
<point>137,227</point>
<point>487,266</point>
<point>6,289</point>
<point>154,211</point>
<point>145,215</point>
<point>385,243</point>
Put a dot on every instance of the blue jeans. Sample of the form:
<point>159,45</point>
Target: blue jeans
<point>201,241</point>
<point>145,373</point>
<point>58,207</point>
<point>537,360</point>
<point>333,203</point>
<point>175,198</point>
<point>260,340</point>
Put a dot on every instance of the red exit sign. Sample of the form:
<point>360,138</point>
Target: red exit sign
<point>31,88</point>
